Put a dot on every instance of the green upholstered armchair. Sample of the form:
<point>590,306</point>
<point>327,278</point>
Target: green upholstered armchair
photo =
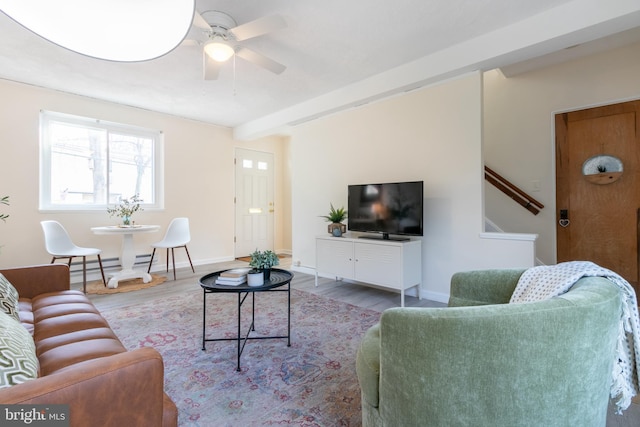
<point>484,362</point>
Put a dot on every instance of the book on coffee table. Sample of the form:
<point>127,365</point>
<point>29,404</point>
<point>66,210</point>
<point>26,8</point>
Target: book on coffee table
<point>231,281</point>
<point>235,273</point>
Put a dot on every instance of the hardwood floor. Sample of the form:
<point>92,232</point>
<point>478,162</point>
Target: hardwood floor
<point>359,295</point>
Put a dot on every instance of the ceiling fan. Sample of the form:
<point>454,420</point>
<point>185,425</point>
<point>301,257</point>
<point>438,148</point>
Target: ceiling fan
<point>219,35</point>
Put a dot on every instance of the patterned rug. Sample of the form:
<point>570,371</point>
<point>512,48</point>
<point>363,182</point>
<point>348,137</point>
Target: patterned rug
<point>311,383</point>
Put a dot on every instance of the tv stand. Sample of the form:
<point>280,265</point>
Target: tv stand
<point>384,262</point>
<point>384,236</point>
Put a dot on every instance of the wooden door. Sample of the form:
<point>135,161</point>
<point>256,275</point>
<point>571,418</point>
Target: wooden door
<point>602,209</point>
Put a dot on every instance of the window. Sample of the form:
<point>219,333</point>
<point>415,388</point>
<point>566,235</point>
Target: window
<point>89,164</point>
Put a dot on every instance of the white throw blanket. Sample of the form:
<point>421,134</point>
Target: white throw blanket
<point>543,282</point>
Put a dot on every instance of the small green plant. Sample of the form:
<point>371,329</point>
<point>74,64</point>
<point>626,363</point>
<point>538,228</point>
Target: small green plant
<point>336,215</point>
<point>270,259</point>
<point>4,201</point>
<point>256,260</point>
<point>263,260</point>
<point>126,208</point>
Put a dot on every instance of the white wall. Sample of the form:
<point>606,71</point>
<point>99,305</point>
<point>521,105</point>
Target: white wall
<point>432,134</point>
<point>199,180</point>
<point>519,130</point>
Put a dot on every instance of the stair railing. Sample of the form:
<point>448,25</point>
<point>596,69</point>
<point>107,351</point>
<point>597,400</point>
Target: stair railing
<point>519,196</point>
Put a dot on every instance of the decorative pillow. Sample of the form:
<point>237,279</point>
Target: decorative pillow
<point>18,361</point>
<point>8,298</point>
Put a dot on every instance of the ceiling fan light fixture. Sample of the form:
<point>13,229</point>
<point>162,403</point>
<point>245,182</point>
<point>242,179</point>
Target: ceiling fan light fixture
<point>218,50</point>
<point>77,25</point>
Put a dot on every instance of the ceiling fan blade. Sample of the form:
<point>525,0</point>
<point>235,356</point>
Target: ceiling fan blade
<point>199,22</point>
<point>211,68</point>
<point>260,59</point>
<point>258,27</point>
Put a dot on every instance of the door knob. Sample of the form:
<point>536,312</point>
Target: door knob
<point>564,218</point>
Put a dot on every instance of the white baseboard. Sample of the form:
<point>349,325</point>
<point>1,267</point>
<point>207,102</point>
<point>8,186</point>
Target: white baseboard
<point>302,269</point>
<point>435,296</point>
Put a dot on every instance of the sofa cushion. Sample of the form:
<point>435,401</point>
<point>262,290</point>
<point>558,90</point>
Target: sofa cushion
<point>26,313</point>
<point>8,298</point>
<point>74,336</point>
<point>68,330</point>
<point>59,297</point>
<point>74,353</point>
<point>61,313</point>
<point>18,361</point>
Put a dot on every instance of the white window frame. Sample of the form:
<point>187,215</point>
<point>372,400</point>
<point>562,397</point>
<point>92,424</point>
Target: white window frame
<point>45,203</point>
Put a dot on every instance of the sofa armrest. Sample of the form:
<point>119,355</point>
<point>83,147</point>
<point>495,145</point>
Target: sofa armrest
<point>483,287</point>
<point>34,280</point>
<point>368,365</point>
<point>125,389</point>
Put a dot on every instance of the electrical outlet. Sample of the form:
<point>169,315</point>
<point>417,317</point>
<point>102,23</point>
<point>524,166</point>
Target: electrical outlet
<point>535,185</point>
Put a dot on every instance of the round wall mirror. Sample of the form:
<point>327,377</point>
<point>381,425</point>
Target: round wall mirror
<point>602,169</point>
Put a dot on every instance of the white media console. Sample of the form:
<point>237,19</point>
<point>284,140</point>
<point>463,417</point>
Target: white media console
<point>387,263</point>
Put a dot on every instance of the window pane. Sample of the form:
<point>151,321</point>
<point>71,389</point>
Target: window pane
<point>130,167</point>
<point>92,164</point>
<point>78,167</point>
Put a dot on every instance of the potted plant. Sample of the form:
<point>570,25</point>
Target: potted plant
<point>126,209</point>
<point>255,276</point>
<point>335,217</point>
<point>269,259</point>
<point>261,263</point>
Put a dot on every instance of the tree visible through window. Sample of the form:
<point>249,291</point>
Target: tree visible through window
<point>90,164</point>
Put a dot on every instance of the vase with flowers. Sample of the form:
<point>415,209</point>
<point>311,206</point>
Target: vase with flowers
<point>126,208</point>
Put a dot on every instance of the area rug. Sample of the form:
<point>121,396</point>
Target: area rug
<point>97,287</point>
<point>311,383</point>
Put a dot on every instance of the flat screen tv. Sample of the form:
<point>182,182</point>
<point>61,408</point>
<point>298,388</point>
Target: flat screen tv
<point>394,208</point>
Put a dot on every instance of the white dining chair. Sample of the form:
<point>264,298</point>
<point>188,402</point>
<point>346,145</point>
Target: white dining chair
<point>59,245</point>
<point>177,236</point>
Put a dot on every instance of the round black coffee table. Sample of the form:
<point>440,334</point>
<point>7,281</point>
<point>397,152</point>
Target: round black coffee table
<point>278,279</point>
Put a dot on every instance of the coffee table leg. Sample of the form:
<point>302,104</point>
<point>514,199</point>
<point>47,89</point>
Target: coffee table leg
<point>253,311</point>
<point>239,321</point>
<point>289,315</point>
<point>204,317</point>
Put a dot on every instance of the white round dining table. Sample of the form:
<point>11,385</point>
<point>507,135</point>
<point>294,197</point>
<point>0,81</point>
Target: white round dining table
<point>128,255</point>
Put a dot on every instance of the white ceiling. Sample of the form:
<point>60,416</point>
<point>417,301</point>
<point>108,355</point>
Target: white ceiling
<point>338,54</point>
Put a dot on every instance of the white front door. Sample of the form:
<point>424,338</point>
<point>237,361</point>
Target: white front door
<point>254,201</point>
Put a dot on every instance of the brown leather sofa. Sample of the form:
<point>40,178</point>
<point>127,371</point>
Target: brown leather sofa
<point>82,362</point>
